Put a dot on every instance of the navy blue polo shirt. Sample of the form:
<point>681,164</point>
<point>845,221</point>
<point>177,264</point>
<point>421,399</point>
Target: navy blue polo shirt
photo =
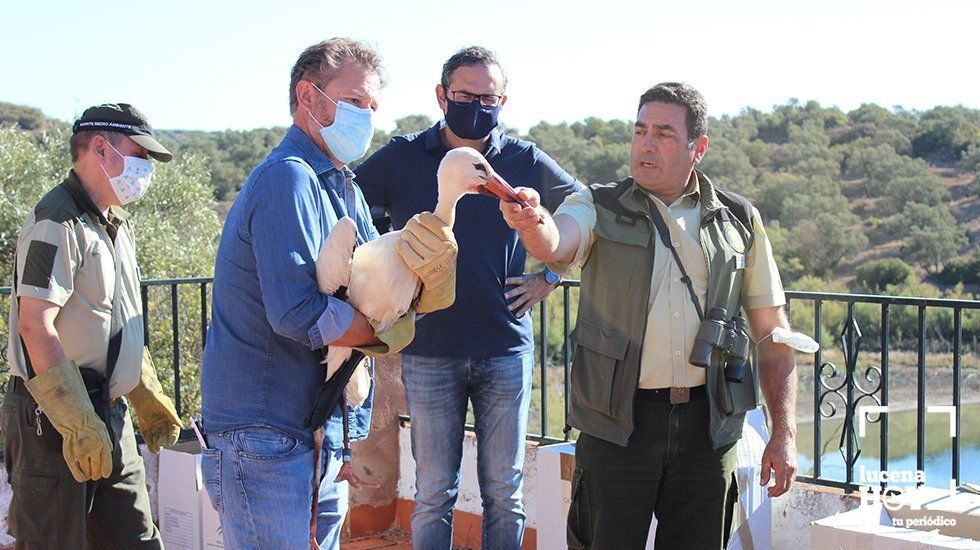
<point>401,177</point>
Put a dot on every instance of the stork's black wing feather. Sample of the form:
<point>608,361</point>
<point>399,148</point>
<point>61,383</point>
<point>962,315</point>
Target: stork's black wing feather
<point>331,390</point>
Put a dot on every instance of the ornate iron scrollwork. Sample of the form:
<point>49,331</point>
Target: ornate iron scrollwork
<point>851,391</point>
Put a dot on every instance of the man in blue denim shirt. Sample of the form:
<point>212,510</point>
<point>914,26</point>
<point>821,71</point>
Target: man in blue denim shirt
<point>480,349</point>
<point>260,372</point>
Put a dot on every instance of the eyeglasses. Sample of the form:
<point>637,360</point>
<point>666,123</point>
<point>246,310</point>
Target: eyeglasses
<point>465,98</point>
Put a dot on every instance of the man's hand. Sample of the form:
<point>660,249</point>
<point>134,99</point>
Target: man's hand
<point>529,290</point>
<point>780,458</point>
<point>777,378</point>
<point>519,218</point>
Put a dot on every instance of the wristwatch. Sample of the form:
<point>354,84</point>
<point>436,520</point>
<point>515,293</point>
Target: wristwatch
<point>551,277</point>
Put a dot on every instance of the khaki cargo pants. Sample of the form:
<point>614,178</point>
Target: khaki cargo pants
<point>50,509</point>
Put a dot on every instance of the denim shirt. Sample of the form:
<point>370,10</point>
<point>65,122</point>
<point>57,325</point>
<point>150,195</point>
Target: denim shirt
<point>268,316</point>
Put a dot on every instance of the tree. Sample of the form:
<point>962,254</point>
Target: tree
<point>819,228</point>
<point>27,118</point>
<point>875,275</point>
<point>411,124</point>
<point>970,160</point>
<point>823,241</point>
<point>729,167</point>
<point>790,266</point>
<point>924,188</point>
<point>961,270</point>
<point>869,113</point>
<point>931,234</point>
<point>945,132</point>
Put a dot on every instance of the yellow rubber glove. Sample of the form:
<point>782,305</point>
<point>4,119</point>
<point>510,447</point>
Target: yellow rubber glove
<point>155,412</point>
<point>429,248</point>
<point>60,393</point>
<point>395,338</point>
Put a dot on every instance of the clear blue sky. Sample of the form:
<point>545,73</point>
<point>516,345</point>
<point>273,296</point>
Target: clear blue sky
<point>221,64</point>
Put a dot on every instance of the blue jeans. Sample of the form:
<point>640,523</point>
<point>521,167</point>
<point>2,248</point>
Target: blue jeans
<point>437,390</point>
<point>259,479</point>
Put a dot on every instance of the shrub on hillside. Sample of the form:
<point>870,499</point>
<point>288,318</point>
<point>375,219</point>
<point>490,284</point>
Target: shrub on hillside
<point>961,270</point>
<point>876,275</point>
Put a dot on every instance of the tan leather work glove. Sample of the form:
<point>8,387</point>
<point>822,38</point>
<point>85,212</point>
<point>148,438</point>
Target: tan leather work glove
<point>395,338</point>
<point>429,248</point>
<point>155,412</point>
<point>60,393</point>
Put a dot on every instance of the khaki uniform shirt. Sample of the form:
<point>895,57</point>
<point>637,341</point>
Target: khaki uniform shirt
<point>672,321</point>
<point>65,256</point>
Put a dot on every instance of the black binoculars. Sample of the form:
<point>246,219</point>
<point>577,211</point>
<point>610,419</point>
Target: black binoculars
<point>718,334</point>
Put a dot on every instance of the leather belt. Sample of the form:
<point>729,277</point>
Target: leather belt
<point>16,386</point>
<point>673,395</point>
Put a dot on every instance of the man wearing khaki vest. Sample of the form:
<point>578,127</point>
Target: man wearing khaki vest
<point>76,347</point>
<point>669,262</point>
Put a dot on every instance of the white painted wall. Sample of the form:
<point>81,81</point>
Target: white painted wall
<point>5,495</point>
<point>792,513</point>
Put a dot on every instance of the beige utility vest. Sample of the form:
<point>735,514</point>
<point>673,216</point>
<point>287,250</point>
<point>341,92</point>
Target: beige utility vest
<point>612,313</point>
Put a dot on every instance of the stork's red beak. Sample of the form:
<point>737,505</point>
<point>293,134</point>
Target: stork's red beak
<point>497,187</point>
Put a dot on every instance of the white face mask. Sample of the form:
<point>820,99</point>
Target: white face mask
<point>134,180</point>
<point>349,137</point>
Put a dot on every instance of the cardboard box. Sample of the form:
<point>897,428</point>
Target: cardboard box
<point>187,519</point>
<point>932,509</point>
<point>870,527</point>
<point>753,530</point>
<point>555,464</point>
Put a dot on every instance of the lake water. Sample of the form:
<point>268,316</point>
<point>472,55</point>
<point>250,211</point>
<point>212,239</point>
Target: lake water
<point>901,447</point>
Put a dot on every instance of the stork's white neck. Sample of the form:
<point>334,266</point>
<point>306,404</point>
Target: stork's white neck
<point>446,207</point>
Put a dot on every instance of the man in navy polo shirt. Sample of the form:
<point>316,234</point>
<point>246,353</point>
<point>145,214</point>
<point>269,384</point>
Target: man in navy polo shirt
<point>480,349</point>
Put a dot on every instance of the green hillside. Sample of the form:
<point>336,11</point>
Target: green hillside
<point>869,198</point>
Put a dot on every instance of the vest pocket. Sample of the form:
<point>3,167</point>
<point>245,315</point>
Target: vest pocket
<point>598,356</point>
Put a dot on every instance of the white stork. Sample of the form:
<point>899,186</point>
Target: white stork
<point>379,283</point>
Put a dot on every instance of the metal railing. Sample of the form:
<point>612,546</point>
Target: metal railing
<point>847,387</point>
<point>850,387</point>
<point>175,332</point>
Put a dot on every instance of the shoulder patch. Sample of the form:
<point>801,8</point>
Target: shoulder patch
<point>734,239</point>
<point>39,264</point>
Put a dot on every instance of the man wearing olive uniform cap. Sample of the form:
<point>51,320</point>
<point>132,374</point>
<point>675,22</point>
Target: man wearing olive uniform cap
<point>76,348</point>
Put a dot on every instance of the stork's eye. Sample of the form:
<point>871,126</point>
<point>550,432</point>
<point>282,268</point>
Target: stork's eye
<point>481,168</point>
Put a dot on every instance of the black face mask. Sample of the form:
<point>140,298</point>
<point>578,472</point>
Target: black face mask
<point>473,121</point>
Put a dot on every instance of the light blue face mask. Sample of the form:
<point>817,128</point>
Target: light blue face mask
<point>349,137</point>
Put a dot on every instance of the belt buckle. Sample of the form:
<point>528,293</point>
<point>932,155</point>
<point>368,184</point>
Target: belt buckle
<point>679,395</point>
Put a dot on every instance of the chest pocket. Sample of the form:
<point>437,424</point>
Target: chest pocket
<point>620,249</point>
<point>726,242</point>
<point>96,278</point>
